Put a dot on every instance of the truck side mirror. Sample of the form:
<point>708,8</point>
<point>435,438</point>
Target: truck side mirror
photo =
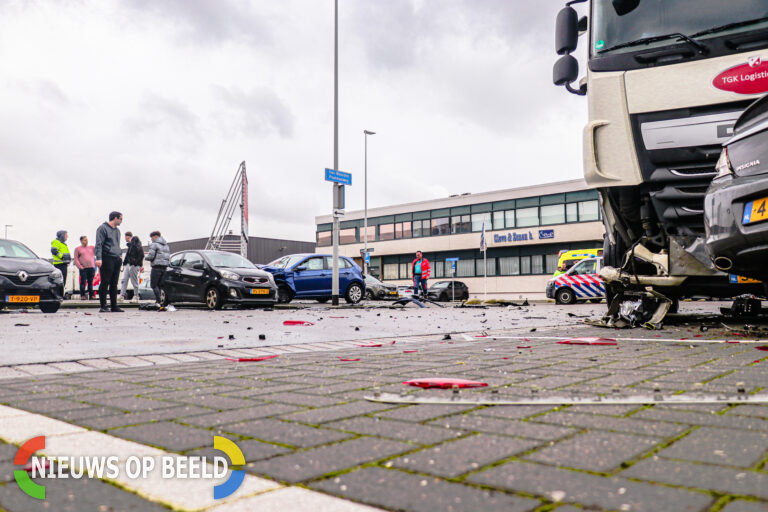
<point>566,30</point>
<point>565,72</point>
<point>623,7</point>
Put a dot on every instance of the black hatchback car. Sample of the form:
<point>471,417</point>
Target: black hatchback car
<point>26,280</point>
<point>216,278</point>
<point>736,203</point>
<point>444,291</point>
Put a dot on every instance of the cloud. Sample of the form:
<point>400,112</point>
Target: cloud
<point>259,112</point>
<point>202,21</point>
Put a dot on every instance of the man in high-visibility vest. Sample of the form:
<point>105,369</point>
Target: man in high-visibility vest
<point>60,251</point>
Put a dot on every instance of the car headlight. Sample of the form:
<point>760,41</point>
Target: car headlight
<point>723,165</point>
<point>56,277</point>
<point>226,274</point>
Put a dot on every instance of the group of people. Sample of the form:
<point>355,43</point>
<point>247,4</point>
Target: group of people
<point>107,256</point>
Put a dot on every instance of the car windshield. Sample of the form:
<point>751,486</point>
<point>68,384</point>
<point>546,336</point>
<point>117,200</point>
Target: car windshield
<point>441,284</point>
<point>286,261</point>
<point>9,249</point>
<point>654,18</point>
<point>229,260</point>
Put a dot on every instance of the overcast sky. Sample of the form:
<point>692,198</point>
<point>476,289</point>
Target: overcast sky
<point>148,107</point>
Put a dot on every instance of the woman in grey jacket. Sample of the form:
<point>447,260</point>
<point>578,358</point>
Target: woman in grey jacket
<point>160,256</point>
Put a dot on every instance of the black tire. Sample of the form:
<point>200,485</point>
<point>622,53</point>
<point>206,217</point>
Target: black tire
<point>354,293</point>
<point>369,295</point>
<point>213,298</point>
<point>675,307</point>
<point>565,296</point>
<point>50,307</point>
<point>613,254</point>
<point>284,294</point>
<point>595,301</point>
<point>465,296</point>
<point>164,298</point>
<point>443,297</point>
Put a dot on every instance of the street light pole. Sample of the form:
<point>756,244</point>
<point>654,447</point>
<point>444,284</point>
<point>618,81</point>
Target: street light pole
<point>6,229</point>
<point>335,236</point>
<point>365,218</point>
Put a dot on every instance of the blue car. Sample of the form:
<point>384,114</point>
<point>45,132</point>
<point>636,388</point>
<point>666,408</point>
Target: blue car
<point>308,276</point>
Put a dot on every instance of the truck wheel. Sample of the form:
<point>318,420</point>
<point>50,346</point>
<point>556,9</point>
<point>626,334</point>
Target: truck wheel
<point>565,296</point>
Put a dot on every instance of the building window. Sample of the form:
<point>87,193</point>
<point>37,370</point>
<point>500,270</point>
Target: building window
<point>498,220</point>
<point>461,224</point>
<point>537,264</point>
<point>588,210</point>
<point>525,265</point>
<point>509,266</point>
<point>420,228</point>
<point>478,219</point>
<point>490,265</point>
<point>407,230</point>
<point>572,212</point>
<point>527,217</point>
<point>371,233</point>
<point>509,217</point>
<point>398,230</point>
<point>406,271</point>
<point>440,226</point>
<point>348,236</point>
<point>465,268</point>
<point>386,232</point>
<point>390,271</point>
<point>554,214</point>
<point>324,238</point>
<point>438,269</point>
<point>551,261</point>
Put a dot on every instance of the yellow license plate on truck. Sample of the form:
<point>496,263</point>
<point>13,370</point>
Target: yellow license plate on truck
<point>24,299</point>
<point>259,291</point>
<point>755,211</point>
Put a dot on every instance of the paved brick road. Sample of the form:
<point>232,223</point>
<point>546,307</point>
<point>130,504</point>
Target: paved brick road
<point>301,419</point>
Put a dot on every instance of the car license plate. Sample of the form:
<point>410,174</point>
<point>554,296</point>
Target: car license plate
<point>25,299</point>
<point>734,279</point>
<point>755,211</point>
<point>259,291</point>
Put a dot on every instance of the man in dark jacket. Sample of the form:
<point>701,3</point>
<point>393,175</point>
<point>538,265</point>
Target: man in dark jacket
<point>160,256</point>
<point>134,259</point>
<point>108,259</point>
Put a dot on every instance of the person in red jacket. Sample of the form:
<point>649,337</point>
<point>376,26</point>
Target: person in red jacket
<point>420,269</point>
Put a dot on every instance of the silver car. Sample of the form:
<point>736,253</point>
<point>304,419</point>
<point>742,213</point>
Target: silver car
<point>376,290</point>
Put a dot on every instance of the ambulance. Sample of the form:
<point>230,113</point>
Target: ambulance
<point>580,283</point>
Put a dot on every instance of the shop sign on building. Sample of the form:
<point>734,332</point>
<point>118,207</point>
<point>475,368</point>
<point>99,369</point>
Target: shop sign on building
<point>526,236</point>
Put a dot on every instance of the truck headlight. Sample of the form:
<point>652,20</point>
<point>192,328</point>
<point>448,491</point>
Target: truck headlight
<point>226,274</point>
<point>56,277</point>
<point>723,165</point>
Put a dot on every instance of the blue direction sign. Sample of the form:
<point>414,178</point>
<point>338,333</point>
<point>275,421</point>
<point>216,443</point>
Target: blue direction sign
<point>342,177</point>
<point>451,259</point>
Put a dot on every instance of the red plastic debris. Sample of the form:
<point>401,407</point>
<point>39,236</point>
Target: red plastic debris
<point>251,359</point>
<point>698,335</point>
<point>345,359</point>
<point>368,345</point>
<point>732,341</point>
<point>523,346</point>
<point>297,322</point>
<point>588,341</point>
<point>445,383</point>
<point>409,351</point>
<point>762,347</point>
<point>481,336</point>
<point>393,342</point>
<point>505,358</point>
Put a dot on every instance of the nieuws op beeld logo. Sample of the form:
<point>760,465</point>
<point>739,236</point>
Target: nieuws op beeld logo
<point>171,466</point>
